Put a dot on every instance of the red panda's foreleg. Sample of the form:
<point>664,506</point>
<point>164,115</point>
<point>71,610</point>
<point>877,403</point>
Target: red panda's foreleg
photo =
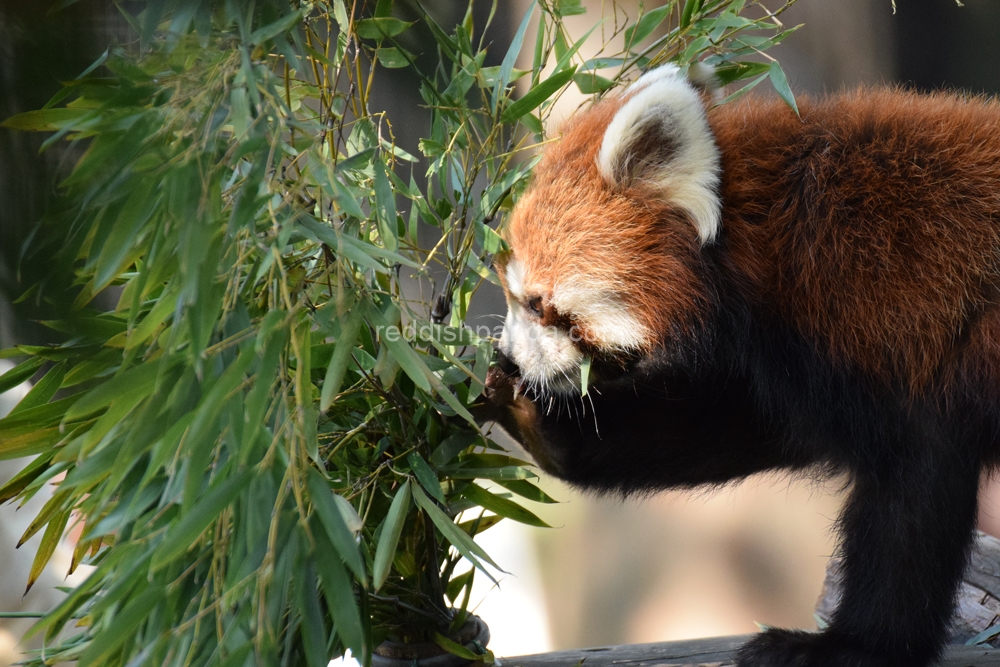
<point>642,438</point>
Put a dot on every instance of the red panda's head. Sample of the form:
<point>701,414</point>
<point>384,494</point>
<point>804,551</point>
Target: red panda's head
<point>604,246</point>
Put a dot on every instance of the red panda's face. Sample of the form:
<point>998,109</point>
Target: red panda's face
<point>605,244</point>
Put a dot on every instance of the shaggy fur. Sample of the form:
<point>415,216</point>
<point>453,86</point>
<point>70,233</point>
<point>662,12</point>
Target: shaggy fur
<point>845,319</point>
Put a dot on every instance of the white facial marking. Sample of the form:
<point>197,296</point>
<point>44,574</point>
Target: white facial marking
<point>548,358</point>
<point>690,178</point>
<point>514,279</point>
<point>598,309</point>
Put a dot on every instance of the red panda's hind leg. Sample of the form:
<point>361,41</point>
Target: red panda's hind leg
<point>906,532</point>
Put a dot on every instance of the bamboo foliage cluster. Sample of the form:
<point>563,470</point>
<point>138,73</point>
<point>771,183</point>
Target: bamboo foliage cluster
<point>259,473</point>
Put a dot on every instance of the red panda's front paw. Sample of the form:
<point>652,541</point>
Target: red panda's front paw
<point>793,648</point>
<point>500,395</point>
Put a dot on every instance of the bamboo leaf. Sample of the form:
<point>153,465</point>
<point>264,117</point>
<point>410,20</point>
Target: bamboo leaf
<point>43,390</point>
<point>452,446</point>
<point>313,633</point>
<point>404,355</point>
<point>350,327</point>
<point>527,490</point>
<point>186,531</point>
<point>122,629</point>
<point>537,95</point>
<point>377,28</point>
<point>455,648</point>
<point>20,373</point>
<point>392,527</point>
<point>45,120</point>
<point>135,381</point>
<point>385,207</point>
<point>647,23</point>
<point>503,77</point>
<point>21,480</point>
<point>337,530</point>
<point>29,444</point>
<point>426,476</point>
<point>780,83</point>
<point>501,506</point>
<point>282,25</point>
<point>691,8</point>
<point>53,533</point>
<point>339,594</point>
<point>455,536</point>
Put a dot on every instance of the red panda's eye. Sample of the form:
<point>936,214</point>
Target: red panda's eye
<point>535,306</point>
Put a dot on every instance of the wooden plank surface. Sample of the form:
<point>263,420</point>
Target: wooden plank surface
<point>712,652</point>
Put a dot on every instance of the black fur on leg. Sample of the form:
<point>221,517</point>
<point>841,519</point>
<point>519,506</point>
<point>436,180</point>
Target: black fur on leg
<point>793,648</point>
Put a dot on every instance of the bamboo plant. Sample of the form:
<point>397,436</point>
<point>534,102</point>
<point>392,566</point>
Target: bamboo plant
<point>266,448</point>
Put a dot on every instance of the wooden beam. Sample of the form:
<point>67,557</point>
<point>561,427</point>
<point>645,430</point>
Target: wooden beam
<point>712,652</point>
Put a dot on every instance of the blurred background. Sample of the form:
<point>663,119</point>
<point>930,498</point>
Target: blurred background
<point>669,567</point>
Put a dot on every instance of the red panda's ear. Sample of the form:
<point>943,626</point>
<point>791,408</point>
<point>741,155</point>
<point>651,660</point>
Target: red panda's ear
<point>661,138</point>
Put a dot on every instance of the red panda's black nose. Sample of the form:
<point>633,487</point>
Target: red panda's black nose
<point>506,364</point>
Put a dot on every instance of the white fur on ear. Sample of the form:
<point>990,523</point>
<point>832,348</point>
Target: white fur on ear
<point>661,136</point>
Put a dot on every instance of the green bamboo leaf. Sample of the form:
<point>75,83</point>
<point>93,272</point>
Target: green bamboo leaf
<point>486,460</point>
<point>495,474</point>
<point>568,8</point>
<point>590,83</point>
<point>165,305</point>
<point>28,474</point>
<point>47,547</point>
<point>455,648</point>
<point>377,28</point>
<point>744,90</point>
<point>452,446</point>
<point>282,25</point>
<point>691,7</point>
<point>348,514</point>
<point>527,490</point>
<point>385,207</point>
<point>455,536</point>
<point>186,531</point>
<point>313,633</point>
<point>124,626</point>
<point>502,506</point>
<point>339,594</point>
<point>426,476</point>
<point>54,505</point>
<point>20,373</point>
<point>341,536</point>
<point>45,120</point>
<point>202,435</point>
<point>117,251</point>
<point>646,24</point>
<point>238,657</point>
<point>392,57</point>
<point>135,381</point>
<point>32,419</point>
<point>537,95</point>
<point>350,327</point>
<point>732,72</point>
<point>43,390</point>
<point>503,77</point>
<point>405,355</point>
<point>780,83</point>
<point>28,444</point>
<point>391,529</point>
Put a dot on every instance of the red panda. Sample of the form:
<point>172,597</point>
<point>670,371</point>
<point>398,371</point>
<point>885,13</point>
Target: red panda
<point>753,290</point>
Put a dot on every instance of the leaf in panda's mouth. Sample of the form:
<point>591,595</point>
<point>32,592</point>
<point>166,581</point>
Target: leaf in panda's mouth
<point>584,375</point>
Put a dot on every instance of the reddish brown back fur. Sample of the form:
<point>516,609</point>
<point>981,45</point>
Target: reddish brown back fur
<point>898,251</point>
